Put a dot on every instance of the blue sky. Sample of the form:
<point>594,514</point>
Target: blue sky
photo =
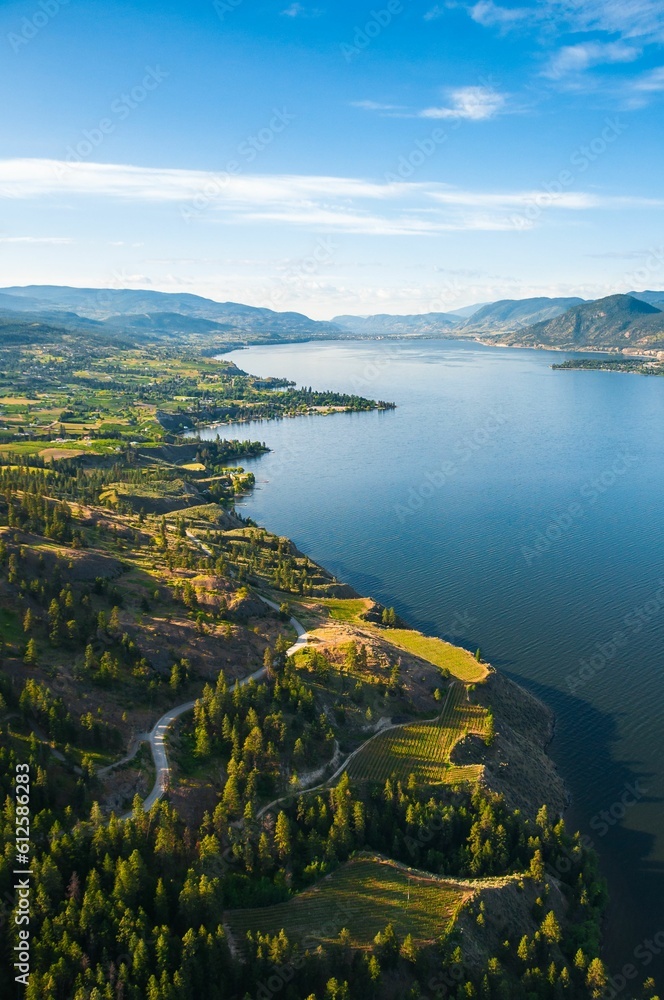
<point>402,156</point>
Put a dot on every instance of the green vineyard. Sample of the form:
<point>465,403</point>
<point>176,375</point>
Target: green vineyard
<point>424,748</point>
<point>362,896</point>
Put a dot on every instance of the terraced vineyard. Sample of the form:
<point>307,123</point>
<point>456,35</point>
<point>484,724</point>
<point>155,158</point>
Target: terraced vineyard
<point>424,748</point>
<point>363,896</point>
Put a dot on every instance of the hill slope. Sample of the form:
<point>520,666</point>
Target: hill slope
<point>616,321</point>
<point>513,314</point>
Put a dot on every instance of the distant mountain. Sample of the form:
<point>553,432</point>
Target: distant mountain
<point>166,324</point>
<point>508,315</point>
<point>134,316</point>
<point>19,303</point>
<point>654,298</point>
<point>467,311</point>
<point>37,328</point>
<point>616,321</point>
<point>386,325</point>
<point>114,305</point>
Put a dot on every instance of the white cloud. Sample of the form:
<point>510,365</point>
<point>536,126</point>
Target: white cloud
<point>434,13</point>
<point>630,19</point>
<point>299,10</point>
<point>472,103</point>
<point>652,81</point>
<point>377,106</point>
<point>490,14</point>
<point>633,19</point>
<point>54,240</point>
<point>344,204</point>
<point>574,59</point>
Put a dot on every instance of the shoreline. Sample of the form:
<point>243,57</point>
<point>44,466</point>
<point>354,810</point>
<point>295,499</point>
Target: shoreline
<point>625,352</point>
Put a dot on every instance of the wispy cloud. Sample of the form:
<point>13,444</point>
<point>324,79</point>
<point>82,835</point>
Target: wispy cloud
<point>644,86</point>
<point>53,240</point>
<point>475,104</point>
<point>619,30</point>
<point>299,10</point>
<point>576,59</point>
<point>377,106</point>
<point>631,19</point>
<point>491,14</point>
<point>434,13</point>
<point>344,204</point>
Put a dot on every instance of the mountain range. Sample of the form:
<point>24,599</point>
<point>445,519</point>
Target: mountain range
<point>632,321</point>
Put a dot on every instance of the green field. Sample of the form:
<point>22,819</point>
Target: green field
<point>363,896</point>
<point>460,663</point>
<point>346,610</point>
<point>424,748</point>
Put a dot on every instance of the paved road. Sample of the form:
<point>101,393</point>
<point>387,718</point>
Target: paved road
<point>157,737</point>
<point>201,545</point>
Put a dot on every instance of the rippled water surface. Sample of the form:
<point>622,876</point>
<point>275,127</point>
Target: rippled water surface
<point>516,508</point>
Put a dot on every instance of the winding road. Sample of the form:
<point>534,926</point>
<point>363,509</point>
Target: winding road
<point>157,736</point>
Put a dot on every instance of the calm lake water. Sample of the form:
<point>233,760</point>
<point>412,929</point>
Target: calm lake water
<point>516,508</point>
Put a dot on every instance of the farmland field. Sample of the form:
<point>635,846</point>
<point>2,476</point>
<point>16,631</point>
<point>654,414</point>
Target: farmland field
<point>460,663</point>
<point>424,748</point>
<point>363,896</point>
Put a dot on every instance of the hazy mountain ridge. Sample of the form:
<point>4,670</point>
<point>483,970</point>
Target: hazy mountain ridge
<point>386,325</point>
<point>117,307</point>
<point>515,314</point>
<point>615,321</point>
<point>634,320</point>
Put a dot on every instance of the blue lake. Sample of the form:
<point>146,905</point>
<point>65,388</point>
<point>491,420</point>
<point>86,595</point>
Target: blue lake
<point>519,509</point>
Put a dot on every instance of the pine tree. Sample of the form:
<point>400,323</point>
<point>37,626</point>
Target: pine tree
<point>54,621</point>
<point>537,870</point>
<point>596,978</point>
<point>282,836</point>
<point>203,748</point>
<point>551,928</point>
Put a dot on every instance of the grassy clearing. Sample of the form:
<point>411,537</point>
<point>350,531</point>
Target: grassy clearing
<point>424,748</point>
<point>363,896</point>
<point>460,663</point>
<point>346,610</point>
<point>11,631</point>
<point>53,454</point>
